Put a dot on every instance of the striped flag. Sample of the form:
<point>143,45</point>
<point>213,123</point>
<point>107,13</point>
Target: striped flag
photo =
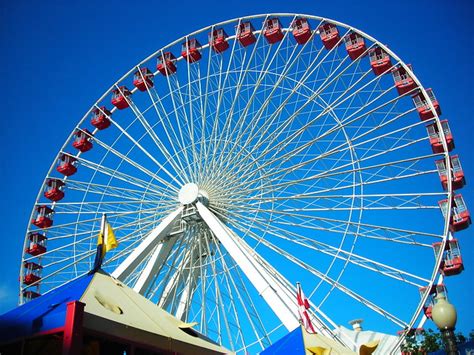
<point>303,306</point>
<point>106,241</point>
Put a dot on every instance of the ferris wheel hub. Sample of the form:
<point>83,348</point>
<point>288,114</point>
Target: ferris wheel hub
<point>191,193</point>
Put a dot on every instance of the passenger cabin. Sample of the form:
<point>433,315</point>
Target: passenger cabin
<point>301,30</point>
<point>403,81</point>
<point>379,61</point>
<point>435,138</point>
<point>451,263</point>
<point>423,107</point>
<point>37,244</point>
<point>329,35</point>
<point>101,118</point>
<point>29,295</point>
<point>143,79</point>
<point>166,64</point>
<point>44,217</point>
<point>355,45</point>
<point>54,190</point>
<point>191,50</point>
<point>82,140</point>
<point>31,272</point>
<point>121,97</point>
<point>273,31</point>
<point>218,40</point>
<point>245,34</point>
<point>67,165</point>
<point>457,174</point>
<point>430,301</point>
<point>460,218</point>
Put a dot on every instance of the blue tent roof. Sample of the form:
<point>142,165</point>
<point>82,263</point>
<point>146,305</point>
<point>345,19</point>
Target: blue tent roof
<point>43,313</point>
<point>292,343</point>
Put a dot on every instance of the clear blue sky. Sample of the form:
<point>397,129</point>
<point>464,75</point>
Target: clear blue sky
<point>59,57</point>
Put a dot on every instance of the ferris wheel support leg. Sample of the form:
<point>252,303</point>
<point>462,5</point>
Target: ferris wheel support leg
<point>144,249</point>
<point>282,305</point>
<point>187,292</point>
<point>154,265</point>
<point>173,283</point>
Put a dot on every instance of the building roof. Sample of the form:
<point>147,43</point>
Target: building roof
<point>111,308</point>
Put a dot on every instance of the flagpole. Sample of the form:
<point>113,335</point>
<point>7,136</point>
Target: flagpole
<point>100,245</point>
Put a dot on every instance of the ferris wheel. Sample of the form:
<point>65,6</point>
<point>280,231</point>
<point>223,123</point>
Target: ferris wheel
<point>250,155</point>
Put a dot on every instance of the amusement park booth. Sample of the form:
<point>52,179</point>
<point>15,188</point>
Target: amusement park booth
<point>97,314</point>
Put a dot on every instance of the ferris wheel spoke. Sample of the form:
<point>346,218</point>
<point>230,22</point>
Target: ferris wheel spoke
<point>112,207</point>
<point>340,125</point>
<point>174,258</point>
<point>287,287</point>
<point>113,191</point>
<point>349,292</point>
<point>268,285</point>
<point>168,129</point>
<point>86,222</point>
<point>371,171</point>
<point>131,162</point>
<point>364,262</point>
<point>244,299</point>
<point>123,176</point>
<point>262,132</point>
<point>369,199</point>
<point>286,141</point>
<point>152,134</point>
<point>139,146</point>
<point>264,127</point>
<point>226,130</point>
<point>337,226</point>
<point>170,294</point>
<point>222,318</point>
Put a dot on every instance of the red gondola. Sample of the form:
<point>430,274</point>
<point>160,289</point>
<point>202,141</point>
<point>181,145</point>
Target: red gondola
<point>452,260</point>
<point>403,81</point>
<point>460,217</point>
<point>29,295</point>
<point>329,35</point>
<point>422,106</point>
<point>54,190</point>
<point>166,64</point>
<point>191,50</point>
<point>143,79</point>
<point>121,97</point>
<point>37,244</point>
<point>43,218</point>
<point>355,45</point>
<point>273,32</point>
<point>218,40</point>
<point>66,165</point>
<point>379,60</point>
<point>435,138</point>
<point>101,118</point>
<point>433,292</point>
<point>245,34</point>
<point>82,142</point>
<point>457,174</point>
<point>32,272</point>
<point>301,30</point>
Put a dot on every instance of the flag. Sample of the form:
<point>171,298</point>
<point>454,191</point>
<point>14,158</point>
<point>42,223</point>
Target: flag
<point>106,241</point>
<point>303,306</point>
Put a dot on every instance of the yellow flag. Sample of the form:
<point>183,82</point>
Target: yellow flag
<point>110,241</point>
